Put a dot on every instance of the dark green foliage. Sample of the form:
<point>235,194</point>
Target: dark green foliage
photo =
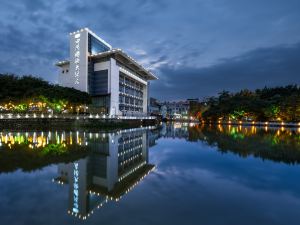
<point>268,104</point>
<point>276,145</point>
<point>19,89</point>
<point>27,159</point>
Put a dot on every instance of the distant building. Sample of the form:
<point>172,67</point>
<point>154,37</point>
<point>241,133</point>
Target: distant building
<point>164,111</point>
<point>154,107</point>
<point>194,106</point>
<point>175,110</point>
<point>193,100</point>
<point>117,83</point>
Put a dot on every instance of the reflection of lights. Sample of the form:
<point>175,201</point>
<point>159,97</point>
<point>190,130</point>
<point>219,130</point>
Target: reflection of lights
<point>191,124</point>
<point>76,188</point>
<point>131,171</point>
<point>39,140</point>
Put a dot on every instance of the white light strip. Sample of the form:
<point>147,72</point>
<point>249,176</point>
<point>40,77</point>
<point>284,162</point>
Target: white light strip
<point>128,73</point>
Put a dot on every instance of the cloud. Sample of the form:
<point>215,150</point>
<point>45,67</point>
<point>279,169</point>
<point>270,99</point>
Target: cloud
<point>164,35</point>
<point>274,66</point>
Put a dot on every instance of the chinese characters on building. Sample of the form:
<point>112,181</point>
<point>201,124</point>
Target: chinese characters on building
<point>77,58</point>
<point>76,189</point>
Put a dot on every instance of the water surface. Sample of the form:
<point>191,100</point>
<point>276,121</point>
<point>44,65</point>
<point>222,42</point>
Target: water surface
<point>174,174</point>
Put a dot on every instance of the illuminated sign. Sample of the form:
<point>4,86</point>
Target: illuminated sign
<point>76,189</point>
<point>77,58</point>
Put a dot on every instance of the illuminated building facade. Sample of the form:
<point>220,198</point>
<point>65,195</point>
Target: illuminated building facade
<point>117,83</point>
<point>117,163</point>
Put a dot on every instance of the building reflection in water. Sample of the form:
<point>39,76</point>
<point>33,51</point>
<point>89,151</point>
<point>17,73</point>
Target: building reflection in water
<point>117,163</point>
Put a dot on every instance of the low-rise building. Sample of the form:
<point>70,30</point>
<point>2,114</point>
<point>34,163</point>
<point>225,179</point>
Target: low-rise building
<point>154,107</point>
<point>175,110</point>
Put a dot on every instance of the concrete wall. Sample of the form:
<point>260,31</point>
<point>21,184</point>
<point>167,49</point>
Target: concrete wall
<point>64,78</point>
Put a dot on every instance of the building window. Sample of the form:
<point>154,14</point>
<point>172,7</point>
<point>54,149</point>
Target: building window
<point>131,101</point>
<point>98,83</point>
<point>102,103</point>
<point>121,88</point>
<point>96,46</point>
<point>121,99</point>
<point>132,88</point>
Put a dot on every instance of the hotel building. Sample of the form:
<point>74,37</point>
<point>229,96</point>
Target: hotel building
<point>117,83</point>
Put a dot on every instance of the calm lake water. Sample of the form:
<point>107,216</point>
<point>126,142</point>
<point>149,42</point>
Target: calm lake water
<point>177,174</point>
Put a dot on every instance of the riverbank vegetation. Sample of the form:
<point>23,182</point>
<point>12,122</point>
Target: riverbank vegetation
<point>31,94</point>
<point>28,158</point>
<point>267,104</point>
<point>279,145</point>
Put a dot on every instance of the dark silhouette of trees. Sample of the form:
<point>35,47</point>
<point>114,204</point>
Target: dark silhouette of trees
<point>21,91</point>
<point>267,104</point>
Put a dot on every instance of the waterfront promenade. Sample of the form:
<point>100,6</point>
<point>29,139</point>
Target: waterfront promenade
<point>64,121</point>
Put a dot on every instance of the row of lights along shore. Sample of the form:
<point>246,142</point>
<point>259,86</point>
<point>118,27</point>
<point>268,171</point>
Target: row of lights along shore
<point>257,123</point>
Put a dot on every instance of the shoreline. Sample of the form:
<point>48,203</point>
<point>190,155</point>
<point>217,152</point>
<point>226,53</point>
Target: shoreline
<point>257,124</point>
<point>74,123</point>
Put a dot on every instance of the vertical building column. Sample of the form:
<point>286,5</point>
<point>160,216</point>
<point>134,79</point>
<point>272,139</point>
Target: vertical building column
<point>112,161</point>
<point>145,98</point>
<point>145,145</point>
<point>114,88</point>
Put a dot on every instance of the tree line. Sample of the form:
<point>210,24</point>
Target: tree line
<point>267,104</point>
<point>21,91</point>
<point>279,147</point>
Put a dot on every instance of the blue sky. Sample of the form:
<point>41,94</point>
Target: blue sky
<point>196,47</point>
